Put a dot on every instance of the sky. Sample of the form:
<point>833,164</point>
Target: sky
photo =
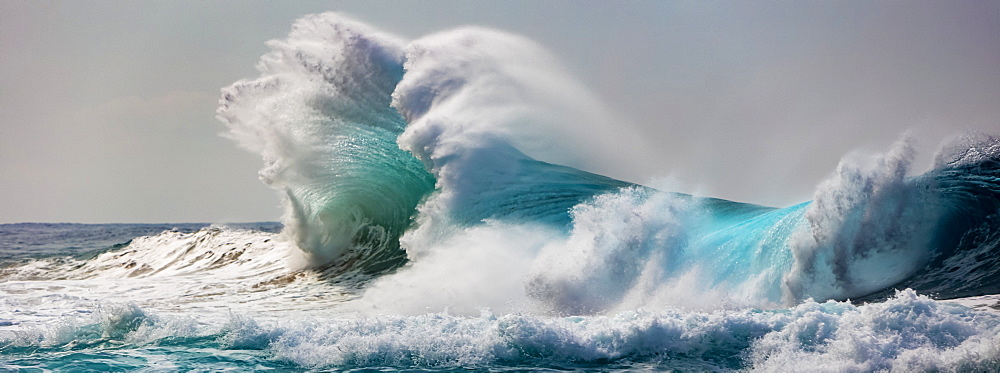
<point>107,108</point>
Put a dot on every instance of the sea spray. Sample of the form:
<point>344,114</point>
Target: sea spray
<point>320,116</point>
<point>868,228</point>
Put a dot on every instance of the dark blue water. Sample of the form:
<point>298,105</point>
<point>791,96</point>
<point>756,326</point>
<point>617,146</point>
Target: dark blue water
<point>28,240</point>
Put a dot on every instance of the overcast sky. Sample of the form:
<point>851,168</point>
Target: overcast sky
<point>107,108</point>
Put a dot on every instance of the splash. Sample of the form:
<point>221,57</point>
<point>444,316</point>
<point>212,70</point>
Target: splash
<point>446,151</point>
<point>319,115</point>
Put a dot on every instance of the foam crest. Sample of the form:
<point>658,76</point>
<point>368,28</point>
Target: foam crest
<point>869,227</point>
<point>967,149</point>
<point>320,117</point>
<point>487,111</point>
<point>467,88</point>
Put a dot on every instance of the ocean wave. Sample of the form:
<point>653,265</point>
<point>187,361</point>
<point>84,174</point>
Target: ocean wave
<point>386,151</point>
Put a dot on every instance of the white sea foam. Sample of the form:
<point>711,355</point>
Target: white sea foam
<point>173,272</point>
<point>906,333</point>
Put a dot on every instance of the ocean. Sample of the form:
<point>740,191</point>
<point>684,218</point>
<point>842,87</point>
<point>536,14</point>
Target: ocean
<point>431,225</point>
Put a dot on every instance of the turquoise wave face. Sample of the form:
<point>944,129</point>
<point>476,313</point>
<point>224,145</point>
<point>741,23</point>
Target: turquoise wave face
<point>321,118</point>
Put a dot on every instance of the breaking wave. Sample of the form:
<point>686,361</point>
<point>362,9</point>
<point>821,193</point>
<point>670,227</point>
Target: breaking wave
<point>449,147</point>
